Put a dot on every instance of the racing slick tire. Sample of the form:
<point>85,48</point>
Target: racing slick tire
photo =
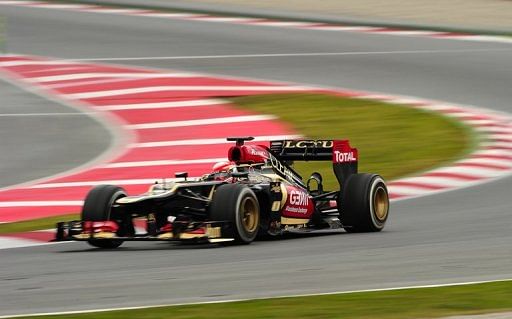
<point>238,205</point>
<point>98,206</point>
<point>364,203</point>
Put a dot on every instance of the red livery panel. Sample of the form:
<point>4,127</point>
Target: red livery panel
<point>299,204</point>
<point>343,153</point>
<point>248,154</point>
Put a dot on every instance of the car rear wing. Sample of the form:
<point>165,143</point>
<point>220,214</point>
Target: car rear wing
<point>343,156</point>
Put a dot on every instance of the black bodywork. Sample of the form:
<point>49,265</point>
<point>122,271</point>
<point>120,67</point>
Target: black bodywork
<point>180,209</point>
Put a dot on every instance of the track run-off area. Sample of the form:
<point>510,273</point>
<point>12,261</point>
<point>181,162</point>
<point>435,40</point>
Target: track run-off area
<point>452,236</point>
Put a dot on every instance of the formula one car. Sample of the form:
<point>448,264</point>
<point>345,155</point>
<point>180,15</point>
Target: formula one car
<point>256,193</point>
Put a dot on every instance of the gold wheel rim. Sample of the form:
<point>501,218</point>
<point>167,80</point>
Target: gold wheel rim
<point>250,216</point>
<point>381,203</point>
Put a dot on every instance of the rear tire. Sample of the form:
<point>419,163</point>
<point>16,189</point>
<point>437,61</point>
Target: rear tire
<point>238,205</point>
<point>364,203</point>
<point>98,207</point>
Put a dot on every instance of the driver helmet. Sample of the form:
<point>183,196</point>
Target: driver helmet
<point>224,166</point>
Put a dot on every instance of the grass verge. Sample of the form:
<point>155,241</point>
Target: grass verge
<point>35,224</point>
<point>392,304</point>
<point>393,140</point>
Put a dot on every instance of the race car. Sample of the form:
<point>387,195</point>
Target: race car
<point>255,193</point>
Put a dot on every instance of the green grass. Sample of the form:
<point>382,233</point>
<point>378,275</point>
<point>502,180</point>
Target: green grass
<point>393,304</point>
<point>393,140</point>
<point>35,224</point>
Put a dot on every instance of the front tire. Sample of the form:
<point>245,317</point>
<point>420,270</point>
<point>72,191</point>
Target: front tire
<point>364,203</point>
<point>238,205</point>
<point>98,207</point>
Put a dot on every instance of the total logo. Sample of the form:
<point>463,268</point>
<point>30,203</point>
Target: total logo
<point>341,157</point>
<point>299,198</point>
<point>259,153</point>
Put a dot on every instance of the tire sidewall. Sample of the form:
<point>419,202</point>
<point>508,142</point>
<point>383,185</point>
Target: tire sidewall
<point>357,204</point>
<point>225,206</point>
<point>98,207</point>
<point>98,202</point>
<point>119,194</point>
<point>240,229</point>
<point>376,183</point>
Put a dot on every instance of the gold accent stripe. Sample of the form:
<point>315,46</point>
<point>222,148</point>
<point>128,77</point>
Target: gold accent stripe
<point>293,221</point>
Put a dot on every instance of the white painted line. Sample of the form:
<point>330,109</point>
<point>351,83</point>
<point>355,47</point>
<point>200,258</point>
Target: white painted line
<point>435,181</point>
<point>291,54</point>
<point>149,89</point>
<point>487,161</point>
<point>407,101</point>
<point>492,315</point>
<point>34,62</point>
<point>62,6</point>
<point>133,75</point>
<point>41,203</point>
<point>7,242</point>
<point>48,230</point>
<point>347,28</point>
<point>210,121</point>
<point>145,181</point>
<point>410,32</point>
<point>107,10</point>
<point>440,108</point>
<point>79,84</point>
<point>451,284</point>
<point>481,38</point>
<point>500,151</point>
<point>497,144</point>
<point>227,19</point>
<point>491,152</point>
<point>19,3</point>
<point>164,162</point>
<point>500,135</point>
<point>480,172</point>
<point>276,23</point>
<point>210,141</point>
<point>408,191</point>
<point>170,15</point>
<point>162,105</point>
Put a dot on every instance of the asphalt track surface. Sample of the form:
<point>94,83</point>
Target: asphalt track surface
<point>33,144</point>
<point>457,236</point>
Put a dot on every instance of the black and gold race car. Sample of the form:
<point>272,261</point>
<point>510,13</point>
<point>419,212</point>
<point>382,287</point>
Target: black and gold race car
<point>255,193</point>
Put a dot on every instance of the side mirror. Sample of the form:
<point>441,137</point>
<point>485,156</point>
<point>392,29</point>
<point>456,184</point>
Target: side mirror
<point>181,175</point>
<point>240,174</point>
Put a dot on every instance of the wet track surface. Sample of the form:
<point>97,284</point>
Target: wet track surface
<point>456,236</point>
